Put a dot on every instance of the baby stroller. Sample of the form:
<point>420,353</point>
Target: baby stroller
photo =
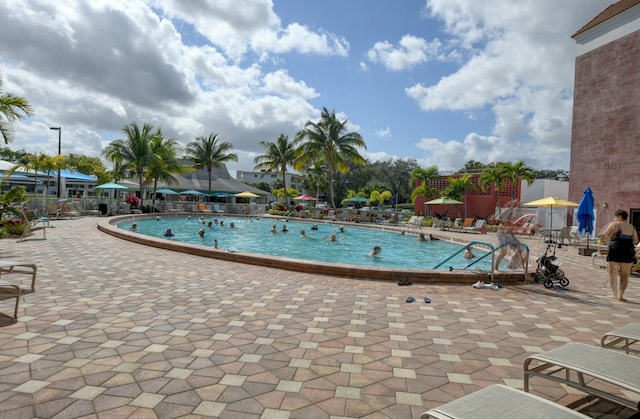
<point>548,268</point>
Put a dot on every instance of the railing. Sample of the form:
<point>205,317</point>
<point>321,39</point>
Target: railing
<point>491,253</point>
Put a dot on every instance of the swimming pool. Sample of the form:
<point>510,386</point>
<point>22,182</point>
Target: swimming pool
<point>252,235</point>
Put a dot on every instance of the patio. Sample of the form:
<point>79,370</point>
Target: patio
<point>117,329</point>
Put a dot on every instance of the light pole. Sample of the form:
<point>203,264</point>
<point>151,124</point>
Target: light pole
<point>59,129</point>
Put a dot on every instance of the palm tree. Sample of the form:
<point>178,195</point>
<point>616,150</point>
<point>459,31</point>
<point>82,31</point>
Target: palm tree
<point>515,172</point>
<point>458,187</point>
<point>133,153</point>
<point>315,177</point>
<point>494,176</point>
<point>164,163</point>
<point>208,152</point>
<point>327,140</point>
<point>279,155</point>
<point>12,108</point>
<point>35,162</point>
<point>421,180</point>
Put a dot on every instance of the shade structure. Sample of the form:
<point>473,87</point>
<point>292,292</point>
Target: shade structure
<point>166,191</point>
<point>550,202</point>
<point>191,192</point>
<point>304,197</point>
<point>246,194</point>
<point>111,185</point>
<point>585,213</point>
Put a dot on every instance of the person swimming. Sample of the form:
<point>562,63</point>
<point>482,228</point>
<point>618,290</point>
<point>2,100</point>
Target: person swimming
<point>376,251</point>
<point>201,232</point>
<point>134,227</point>
<point>168,233</point>
<point>273,229</point>
<point>303,234</point>
<point>314,227</point>
<point>468,253</point>
<point>284,228</point>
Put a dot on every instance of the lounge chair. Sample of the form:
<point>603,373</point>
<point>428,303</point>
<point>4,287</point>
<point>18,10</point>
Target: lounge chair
<point>217,209</point>
<point>623,338</point>
<point>203,208</point>
<point>39,219</point>
<point>468,222</point>
<point>499,401</point>
<point>478,227</point>
<point>11,289</point>
<point>570,363</point>
<point>123,208</point>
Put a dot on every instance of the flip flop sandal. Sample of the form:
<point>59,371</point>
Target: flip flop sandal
<point>427,300</point>
<point>410,300</point>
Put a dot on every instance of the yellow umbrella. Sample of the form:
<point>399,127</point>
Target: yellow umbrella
<point>551,201</point>
<point>246,194</point>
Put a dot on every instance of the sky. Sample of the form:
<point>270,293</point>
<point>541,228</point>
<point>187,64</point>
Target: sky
<point>440,81</point>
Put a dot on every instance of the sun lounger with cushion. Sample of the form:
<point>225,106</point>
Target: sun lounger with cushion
<point>497,402</point>
<point>587,368</point>
<point>623,338</point>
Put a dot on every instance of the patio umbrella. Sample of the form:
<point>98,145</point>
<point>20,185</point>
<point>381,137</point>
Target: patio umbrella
<point>246,194</point>
<point>166,191</point>
<point>357,199</point>
<point>550,202</point>
<point>443,200</point>
<point>585,213</point>
<point>304,197</point>
<point>111,186</point>
<point>191,192</point>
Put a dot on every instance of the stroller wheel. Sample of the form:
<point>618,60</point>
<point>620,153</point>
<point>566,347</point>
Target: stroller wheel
<point>548,283</point>
<point>564,282</point>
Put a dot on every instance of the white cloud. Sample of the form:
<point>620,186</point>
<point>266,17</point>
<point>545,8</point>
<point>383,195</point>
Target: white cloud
<point>384,132</point>
<point>409,52</point>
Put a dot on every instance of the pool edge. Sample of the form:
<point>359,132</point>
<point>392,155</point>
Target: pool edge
<point>108,226</point>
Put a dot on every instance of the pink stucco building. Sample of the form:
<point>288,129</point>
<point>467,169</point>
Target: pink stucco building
<point>605,138</point>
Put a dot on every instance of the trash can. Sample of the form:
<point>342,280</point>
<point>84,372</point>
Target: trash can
<point>103,209</point>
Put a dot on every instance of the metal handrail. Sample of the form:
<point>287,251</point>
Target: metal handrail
<point>491,253</point>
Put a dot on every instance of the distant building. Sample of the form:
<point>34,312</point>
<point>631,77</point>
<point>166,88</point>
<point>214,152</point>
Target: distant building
<point>606,112</point>
<point>293,180</point>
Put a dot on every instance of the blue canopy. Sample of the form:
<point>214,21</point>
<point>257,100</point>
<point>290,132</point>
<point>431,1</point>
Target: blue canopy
<point>585,212</point>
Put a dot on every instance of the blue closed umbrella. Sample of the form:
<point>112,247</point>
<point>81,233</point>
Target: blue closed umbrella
<point>585,213</point>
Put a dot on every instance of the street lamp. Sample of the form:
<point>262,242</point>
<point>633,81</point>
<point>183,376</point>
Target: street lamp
<point>59,129</point>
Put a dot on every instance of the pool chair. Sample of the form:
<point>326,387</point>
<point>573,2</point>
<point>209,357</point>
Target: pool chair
<point>465,224</point>
<point>594,370</point>
<point>203,208</point>
<point>623,339</point>
<point>499,401</point>
<point>478,227</point>
<point>217,209</point>
<point>39,219</point>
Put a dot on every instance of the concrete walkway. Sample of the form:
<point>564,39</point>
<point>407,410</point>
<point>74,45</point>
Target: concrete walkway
<point>119,330</point>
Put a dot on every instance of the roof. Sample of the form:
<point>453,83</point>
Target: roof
<point>69,175</point>
<point>607,13</point>
<point>221,181</point>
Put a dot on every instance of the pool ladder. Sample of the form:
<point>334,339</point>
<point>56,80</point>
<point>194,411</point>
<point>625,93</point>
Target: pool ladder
<point>492,253</point>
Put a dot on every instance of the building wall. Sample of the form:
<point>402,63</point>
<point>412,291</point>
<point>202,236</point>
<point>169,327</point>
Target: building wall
<point>605,138</point>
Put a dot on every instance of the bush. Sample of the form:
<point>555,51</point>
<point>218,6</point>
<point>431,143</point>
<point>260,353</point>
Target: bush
<point>12,227</point>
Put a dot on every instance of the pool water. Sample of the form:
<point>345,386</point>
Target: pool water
<point>351,247</point>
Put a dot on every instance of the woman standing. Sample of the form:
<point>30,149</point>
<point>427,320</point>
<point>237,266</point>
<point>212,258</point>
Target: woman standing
<point>622,238</point>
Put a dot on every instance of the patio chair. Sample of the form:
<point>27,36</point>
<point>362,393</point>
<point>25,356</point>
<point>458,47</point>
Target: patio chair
<point>499,401</point>
<point>202,207</point>
<point>574,363</point>
<point>465,224</point>
<point>478,227</point>
<point>623,338</point>
<point>39,219</point>
<point>217,209</point>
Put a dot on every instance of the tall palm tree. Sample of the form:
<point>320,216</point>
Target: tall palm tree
<point>494,176</point>
<point>278,157</point>
<point>327,140</point>
<point>514,173</point>
<point>133,152</point>
<point>164,163</point>
<point>421,182</point>
<point>12,108</point>
<point>315,177</point>
<point>209,152</point>
<point>35,162</point>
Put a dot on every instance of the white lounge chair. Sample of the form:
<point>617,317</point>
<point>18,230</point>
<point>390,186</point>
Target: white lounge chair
<point>623,338</point>
<point>497,402</point>
<point>571,363</point>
